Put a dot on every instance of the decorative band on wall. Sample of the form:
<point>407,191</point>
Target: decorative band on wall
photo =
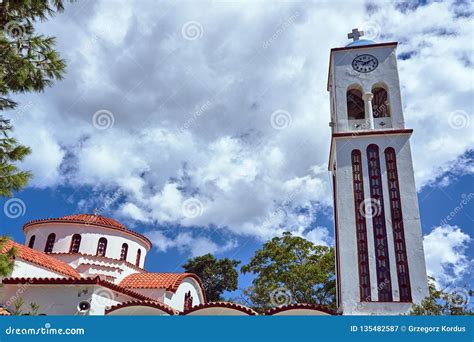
<point>361,226</point>
<point>382,262</point>
<point>403,274</point>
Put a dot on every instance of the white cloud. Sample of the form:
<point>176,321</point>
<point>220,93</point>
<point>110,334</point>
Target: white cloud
<point>445,253</point>
<point>192,119</point>
<point>187,242</point>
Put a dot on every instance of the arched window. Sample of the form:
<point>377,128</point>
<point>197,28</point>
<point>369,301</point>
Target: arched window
<point>32,241</point>
<point>48,248</point>
<point>361,226</point>
<point>123,252</point>
<point>380,105</point>
<point>188,301</point>
<point>139,254</point>
<point>403,274</point>
<point>355,105</point>
<point>101,247</point>
<point>75,243</point>
<point>376,208</point>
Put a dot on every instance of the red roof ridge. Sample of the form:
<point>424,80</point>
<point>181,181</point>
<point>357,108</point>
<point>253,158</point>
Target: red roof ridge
<point>75,281</point>
<point>168,281</point>
<point>294,306</point>
<point>90,219</point>
<point>228,305</point>
<point>150,303</point>
<point>41,259</point>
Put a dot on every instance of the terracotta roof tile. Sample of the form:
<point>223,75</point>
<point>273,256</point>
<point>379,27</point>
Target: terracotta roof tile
<point>40,259</point>
<point>90,219</point>
<point>227,305</point>
<point>168,281</point>
<point>4,312</point>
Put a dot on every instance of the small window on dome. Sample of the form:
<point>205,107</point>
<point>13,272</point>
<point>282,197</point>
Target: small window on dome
<point>139,254</point>
<point>48,248</point>
<point>32,241</point>
<point>101,247</point>
<point>75,243</point>
<point>123,252</point>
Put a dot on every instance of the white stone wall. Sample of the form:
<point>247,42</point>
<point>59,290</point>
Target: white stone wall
<point>343,76</point>
<point>348,276</point>
<point>176,300</point>
<point>26,269</point>
<point>62,299</point>
<point>90,236</point>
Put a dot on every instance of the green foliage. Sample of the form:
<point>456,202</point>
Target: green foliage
<point>28,63</point>
<point>7,259</point>
<point>442,302</point>
<point>290,269</point>
<point>18,308</point>
<point>216,275</point>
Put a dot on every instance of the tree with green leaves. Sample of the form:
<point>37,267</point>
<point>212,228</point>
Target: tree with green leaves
<point>443,302</point>
<point>217,275</point>
<point>28,63</point>
<point>7,257</point>
<point>290,269</point>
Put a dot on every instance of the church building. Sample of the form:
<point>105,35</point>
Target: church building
<point>88,264</point>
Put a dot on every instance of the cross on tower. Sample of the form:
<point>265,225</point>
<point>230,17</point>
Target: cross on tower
<point>355,34</point>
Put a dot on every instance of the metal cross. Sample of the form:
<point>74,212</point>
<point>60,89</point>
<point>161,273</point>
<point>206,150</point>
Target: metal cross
<point>355,34</point>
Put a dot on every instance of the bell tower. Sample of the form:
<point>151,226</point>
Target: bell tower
<point>379,248</point>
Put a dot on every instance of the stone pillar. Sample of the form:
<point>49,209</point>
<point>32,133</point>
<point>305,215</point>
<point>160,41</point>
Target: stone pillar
<point>367,97</point>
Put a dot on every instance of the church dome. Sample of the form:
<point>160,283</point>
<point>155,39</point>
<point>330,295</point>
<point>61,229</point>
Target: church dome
<point>90,220</point>
<point>361,42</point>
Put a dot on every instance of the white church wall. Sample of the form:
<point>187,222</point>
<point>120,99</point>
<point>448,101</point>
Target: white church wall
<point>90,236</point>
<point>343,76</point>
<point>90,266</point>
<point>346,218</point>
<point>176,300</point>
<point>157,294</point>
<point>62,299</point>
<point>25,269</point>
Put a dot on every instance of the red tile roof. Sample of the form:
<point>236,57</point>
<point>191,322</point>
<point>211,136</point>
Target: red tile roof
<point>76,281</point>
<point>153,304</point>
<point>40,259</point>
<point>302,306</point>
<point>4,312</point>
<point>168,281</point>
<point>227,305</point>
<point>90,219</point>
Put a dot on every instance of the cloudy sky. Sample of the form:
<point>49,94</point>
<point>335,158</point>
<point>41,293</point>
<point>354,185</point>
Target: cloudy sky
<point>205,124</point>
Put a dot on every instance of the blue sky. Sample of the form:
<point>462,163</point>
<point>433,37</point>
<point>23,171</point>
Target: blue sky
<point>204,125</point>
